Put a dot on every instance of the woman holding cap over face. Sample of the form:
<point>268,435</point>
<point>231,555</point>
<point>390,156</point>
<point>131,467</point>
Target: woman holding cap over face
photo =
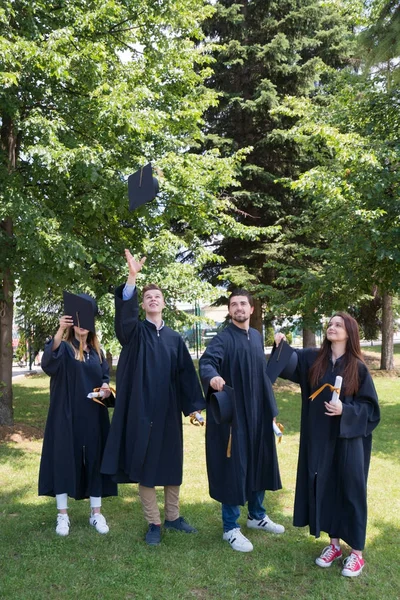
<point>335,439</point>
<point>76,428</point>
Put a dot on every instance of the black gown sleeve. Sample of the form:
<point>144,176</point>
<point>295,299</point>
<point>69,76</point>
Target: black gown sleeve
<point>361,412</point>
<point>126,316</point>
<point>105,369</point>
<point>191,396</point>
<point>51,360</point>
<point>210,363</point>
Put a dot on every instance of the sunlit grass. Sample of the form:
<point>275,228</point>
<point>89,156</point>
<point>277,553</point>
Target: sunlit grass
<point>36,564</point>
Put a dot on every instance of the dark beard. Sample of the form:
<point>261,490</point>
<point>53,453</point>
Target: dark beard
<point>240,318</point>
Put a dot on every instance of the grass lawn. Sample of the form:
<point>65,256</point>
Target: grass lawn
<point>36,564</point>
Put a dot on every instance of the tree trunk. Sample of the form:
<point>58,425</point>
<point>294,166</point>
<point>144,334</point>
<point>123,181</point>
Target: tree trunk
<point>387,362</point>
<point>256,319</point>
<point>8,141</point>
<point>308,338</point>
<point>6,350</point>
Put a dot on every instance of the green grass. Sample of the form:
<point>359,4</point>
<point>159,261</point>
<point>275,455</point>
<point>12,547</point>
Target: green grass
<point>37,564</point>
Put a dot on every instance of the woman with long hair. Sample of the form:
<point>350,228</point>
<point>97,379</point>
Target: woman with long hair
<point>335,441</point>
<point>77,427</point>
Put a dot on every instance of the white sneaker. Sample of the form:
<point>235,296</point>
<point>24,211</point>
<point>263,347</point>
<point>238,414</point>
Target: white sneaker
<point>99,523</point>
<point>62,527</point>
<point>265,524</point>
<point>237,540</point>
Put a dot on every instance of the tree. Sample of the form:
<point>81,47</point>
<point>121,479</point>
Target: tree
<point>76,117</point>
<point>265,51</point>
<point>352,196</point>
<point>380,41</point>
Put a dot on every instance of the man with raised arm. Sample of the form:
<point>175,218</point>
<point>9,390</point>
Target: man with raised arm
<point>241,452</point>
<point>156,382</point>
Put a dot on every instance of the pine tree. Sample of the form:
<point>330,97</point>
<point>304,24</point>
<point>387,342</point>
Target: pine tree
<point>266,51</point>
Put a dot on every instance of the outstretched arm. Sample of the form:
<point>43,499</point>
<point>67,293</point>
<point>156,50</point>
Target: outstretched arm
<point>210,364</point>
<point>126,303</point>
<point>134,267</point>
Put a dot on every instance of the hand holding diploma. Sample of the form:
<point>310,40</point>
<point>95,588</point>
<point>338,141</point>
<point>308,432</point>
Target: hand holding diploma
<point>334,406</point>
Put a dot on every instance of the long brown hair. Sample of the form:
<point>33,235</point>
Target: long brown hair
<point>92,340</point>
<point>352,355</point>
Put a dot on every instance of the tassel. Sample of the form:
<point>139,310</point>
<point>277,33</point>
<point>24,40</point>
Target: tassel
<point>80,340</point>
<point>281,429</point>
<point>229,447</point>
<point>319,390</point>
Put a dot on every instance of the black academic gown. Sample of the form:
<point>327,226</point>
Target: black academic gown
<point>238,357</point>
<point>156,383</point>
<point>76,427</point>
<point>334,454</point>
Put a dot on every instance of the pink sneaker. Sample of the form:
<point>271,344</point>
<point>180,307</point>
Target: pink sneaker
<point>353,565</point>
<point>328,555</point>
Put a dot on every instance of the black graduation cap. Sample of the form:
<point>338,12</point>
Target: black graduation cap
<point>221,404</point>
<point>82,308</point>
<point>142,187</point>
<point>283,360</point>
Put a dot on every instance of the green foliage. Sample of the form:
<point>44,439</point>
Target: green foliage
<point>88,93</point>
<point>267,51</point>
<point>351,194</point>
<point>380,41</point>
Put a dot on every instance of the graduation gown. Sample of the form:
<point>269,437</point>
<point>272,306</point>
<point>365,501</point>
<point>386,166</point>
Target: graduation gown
<point>156,383</point>
<point>76,428</point>
<point>238,357</point>
<point>334,453</point>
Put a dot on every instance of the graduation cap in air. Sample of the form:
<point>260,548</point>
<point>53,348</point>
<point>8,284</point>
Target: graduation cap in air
<point>283,360</point>
<point>82,308</point>
<point>142,187</point>
<point>221,404</point>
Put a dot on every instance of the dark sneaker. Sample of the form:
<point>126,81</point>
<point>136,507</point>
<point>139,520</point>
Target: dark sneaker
<point>353,565</point>
<point>153,535</point>
<point>180,525</point>
<point>328,555</point>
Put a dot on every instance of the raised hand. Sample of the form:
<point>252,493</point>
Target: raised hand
<point>278,337</point>
<point>65,322</point>
<point>134,266</point>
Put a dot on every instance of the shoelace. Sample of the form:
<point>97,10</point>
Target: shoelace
<point>328,552</point>
<point>62,519</point>
<point>351,561</point>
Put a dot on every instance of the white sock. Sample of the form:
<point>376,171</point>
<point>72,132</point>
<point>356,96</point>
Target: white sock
<point>95,502</point>
<point>62,501</point>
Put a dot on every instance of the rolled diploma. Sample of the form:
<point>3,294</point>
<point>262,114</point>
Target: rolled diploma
<point>335,395</point>
<point>199,417</point>
<point>99,394</point>
<point>277,431</point>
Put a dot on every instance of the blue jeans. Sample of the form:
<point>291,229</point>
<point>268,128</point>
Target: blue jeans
<point>231,512</point>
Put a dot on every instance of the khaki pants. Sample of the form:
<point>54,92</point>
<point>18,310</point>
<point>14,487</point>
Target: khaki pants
<point>149,503</point>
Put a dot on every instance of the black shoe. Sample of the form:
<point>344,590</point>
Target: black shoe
<point>180,525</point>
<point>153,535</point>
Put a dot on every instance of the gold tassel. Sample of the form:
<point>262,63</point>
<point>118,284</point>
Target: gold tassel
<point>281,429</point>
<point>229,447</point>
<point>319,390</point>
<point>98,390</point>
<point>80,340</point>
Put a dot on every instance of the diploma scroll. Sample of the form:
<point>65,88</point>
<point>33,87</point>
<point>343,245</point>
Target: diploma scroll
<point>336,391</point>
<point>278,429</point>
<point>99,394</point>
<point>197,419</point>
